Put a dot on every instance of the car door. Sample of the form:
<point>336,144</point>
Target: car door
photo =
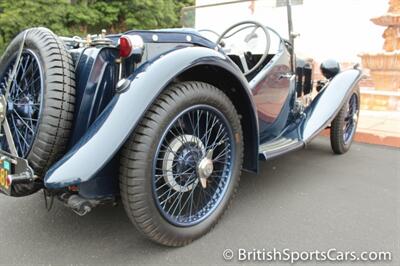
<point>273,90</point>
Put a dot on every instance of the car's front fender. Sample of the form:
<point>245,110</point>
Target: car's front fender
<point>328,103</point>
<point>115,124</point>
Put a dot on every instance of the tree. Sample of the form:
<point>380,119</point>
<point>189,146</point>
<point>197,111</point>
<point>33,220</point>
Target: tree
<point>80,17</point>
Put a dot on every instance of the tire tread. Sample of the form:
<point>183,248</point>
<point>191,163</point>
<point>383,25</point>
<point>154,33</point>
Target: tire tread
<point>59,96</point>
<point>134,156</point>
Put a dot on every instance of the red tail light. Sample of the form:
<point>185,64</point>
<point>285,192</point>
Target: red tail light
<point>125,46</point>
<point>130,44</point>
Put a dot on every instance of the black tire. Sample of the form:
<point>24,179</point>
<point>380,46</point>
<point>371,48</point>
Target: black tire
<point>136,170</point>
<point>55,122</point>
<point>337,131</point>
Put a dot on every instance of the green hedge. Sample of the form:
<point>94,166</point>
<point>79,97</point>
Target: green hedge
<point>80,17</point>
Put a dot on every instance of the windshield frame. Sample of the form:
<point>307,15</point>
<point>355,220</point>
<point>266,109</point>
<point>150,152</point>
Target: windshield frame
<point>278,3</point>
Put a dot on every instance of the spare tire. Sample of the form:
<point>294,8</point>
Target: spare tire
<point>41,98</point>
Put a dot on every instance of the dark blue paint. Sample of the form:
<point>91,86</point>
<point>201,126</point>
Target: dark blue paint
<point>104,121</point>
<point>274,78</point>
<point>96,74</point>
<point>113,126</point>
<point>301,130</point>
<point>170,36</point>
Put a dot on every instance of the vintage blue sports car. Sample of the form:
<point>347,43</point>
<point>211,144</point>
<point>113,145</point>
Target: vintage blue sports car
<point>166,119</point>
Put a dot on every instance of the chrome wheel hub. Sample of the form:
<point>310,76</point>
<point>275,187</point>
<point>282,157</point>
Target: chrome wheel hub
<point>205,168</point>
<point>182,156</point>
<point>193,165</point>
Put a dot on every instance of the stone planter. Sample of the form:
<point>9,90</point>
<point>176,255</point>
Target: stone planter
<point>381,61</point>
<point>386,79</point>
<point>389,19</point>
<point>384,69</point>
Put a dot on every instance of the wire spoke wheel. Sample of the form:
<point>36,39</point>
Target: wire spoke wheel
<point>181,166</point>
<point>37,96</point>
<point>24,103</point>
<point>344,126</point>
<point>180,196</point>
<point>351,119</point>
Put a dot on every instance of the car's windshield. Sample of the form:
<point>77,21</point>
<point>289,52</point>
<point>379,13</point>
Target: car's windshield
<point>213,18</point>
<point>219,15</point>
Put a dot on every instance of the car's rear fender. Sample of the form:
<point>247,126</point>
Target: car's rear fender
<point>111,129</point>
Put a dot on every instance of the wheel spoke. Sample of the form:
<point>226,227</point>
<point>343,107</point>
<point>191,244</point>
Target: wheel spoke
<point>198,122</point>
<point>222,153</point>
<point>25,99</point>
<point>24,71</point>
<point>189,115</point>
<point>209,132</point>
<point>29,119</point>
<point>176,183</point>
<point>179,196</point>
<point>169,149</point>
<point>176,136</point>
<point>16,136</point>
<point>23,121</point>
<point>183,130</point>
<point>187,200</point>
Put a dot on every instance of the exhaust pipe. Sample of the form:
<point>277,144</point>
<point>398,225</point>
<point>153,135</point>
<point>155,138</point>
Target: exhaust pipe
<point>82,206</point>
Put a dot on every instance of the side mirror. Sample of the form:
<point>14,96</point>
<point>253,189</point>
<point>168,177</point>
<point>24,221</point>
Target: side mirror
<point>330,68</point>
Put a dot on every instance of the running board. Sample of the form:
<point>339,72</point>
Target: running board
<point>279,147</point>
